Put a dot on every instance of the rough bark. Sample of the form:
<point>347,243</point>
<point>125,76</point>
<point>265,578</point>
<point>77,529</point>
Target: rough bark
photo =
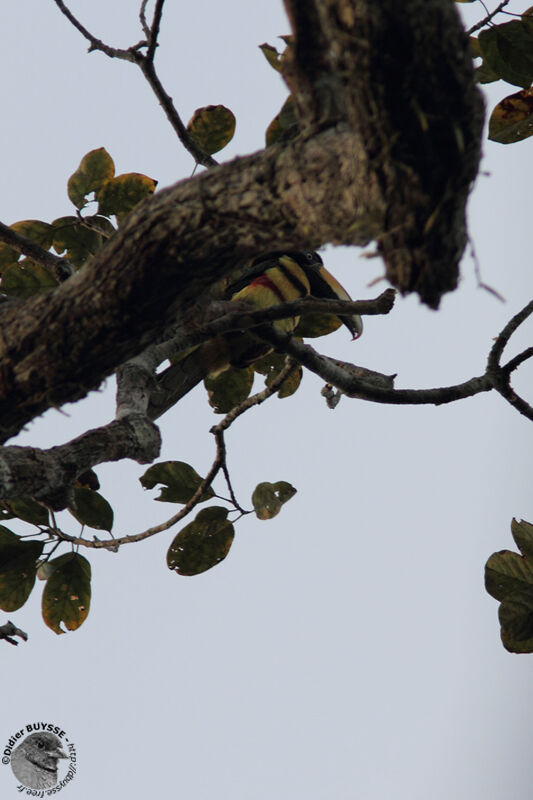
<point>390,123</point>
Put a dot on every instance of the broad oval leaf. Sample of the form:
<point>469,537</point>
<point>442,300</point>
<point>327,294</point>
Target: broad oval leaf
<point>516,620</point>
<point>18,566</point>
<point>271,365</point>
<point>79,242</point>
<point>507,572</point>
<point>512,119</point>
<point>40,232</point>
<point>28,509</point>
<point>212,127</point>
<point>180,482</point>
<point>67,594</point>
<point>96,167</point>
<point>91,509</point>
<point>284,126</point>
<point>27,278</point>
<point>268,498</point>
<point>523,535</point>
<point>203,543</point>
<point>272,55</point>
<point>8,257</point>
<point>227,390</point>
<point>119,195</point>
<point>508,51</point>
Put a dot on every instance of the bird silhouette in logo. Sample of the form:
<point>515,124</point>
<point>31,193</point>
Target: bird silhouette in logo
<point>34,762</point>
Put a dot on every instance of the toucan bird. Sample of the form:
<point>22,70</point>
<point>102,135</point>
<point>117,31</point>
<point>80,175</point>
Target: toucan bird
<point>269,279</point>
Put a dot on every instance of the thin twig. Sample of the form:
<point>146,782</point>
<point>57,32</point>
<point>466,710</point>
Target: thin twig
<point>146,65</point>
<point>142,17</point>
<point>477,273</point>
<point>96,44</point>
<point>154,30</point>
<point>500,376</point>
<point>218,464</point>
<point>517,360</point>
<point>503,337</point>
<point>487,19</point>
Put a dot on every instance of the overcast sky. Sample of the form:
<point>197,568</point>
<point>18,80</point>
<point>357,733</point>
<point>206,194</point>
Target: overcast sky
<point>348,648</point>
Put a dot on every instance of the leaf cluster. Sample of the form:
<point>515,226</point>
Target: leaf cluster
<point>509,579</point>
<point>506,53</point>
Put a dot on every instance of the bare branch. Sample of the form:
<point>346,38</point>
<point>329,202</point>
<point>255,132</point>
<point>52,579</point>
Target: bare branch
<point>488,18</point>
<point>97,44</point>
<point>503,337</point>
<point>154,30</point>
<point>60,268</point>
<point>146,64</point>
<point>190,144</point>
<point>515,362</point>
<point>218,464</point>
<point>142,17</point>
<point>351,385</point>
<point>500,376</point>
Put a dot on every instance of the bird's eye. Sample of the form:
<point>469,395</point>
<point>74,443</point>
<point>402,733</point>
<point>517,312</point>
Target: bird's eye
<point>40,745</point>
<point>309,256</point>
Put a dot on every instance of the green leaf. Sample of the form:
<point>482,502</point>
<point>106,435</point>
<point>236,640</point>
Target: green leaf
<point>268,498</point>
<point>96,167</point>
<point>79,242</point>
<point>203,543</point>
<point>39,232</point>
<point>27,278</point>
<point>272,56</point>
<point>91,509</point>
<point>512,119</point>
<point>101,225</point>
<point>180,479</point>
<point>34,229</point>
<point>508,51</point>
<point>523,535</point>
<point>119,195</point>
<point>484,74</point>
<point>284,126</point>
<point>516,620</point>
<point>8,257</point>
<point>507,572</point>
<point>212,127</point>
<point>229,388</point>
<point>28,509</point>
<point>271,365</point>
<point>67,594</point>
<point>18,566</point>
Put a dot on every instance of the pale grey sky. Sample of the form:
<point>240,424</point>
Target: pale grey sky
<point>346,649</point>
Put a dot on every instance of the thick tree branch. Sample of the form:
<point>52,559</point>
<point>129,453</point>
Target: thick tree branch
<point>390,147</point>
<point>49,475</point>
<point>409,92</point>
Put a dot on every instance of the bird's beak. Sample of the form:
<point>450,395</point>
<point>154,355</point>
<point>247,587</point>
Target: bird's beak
<point>323,284</point>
